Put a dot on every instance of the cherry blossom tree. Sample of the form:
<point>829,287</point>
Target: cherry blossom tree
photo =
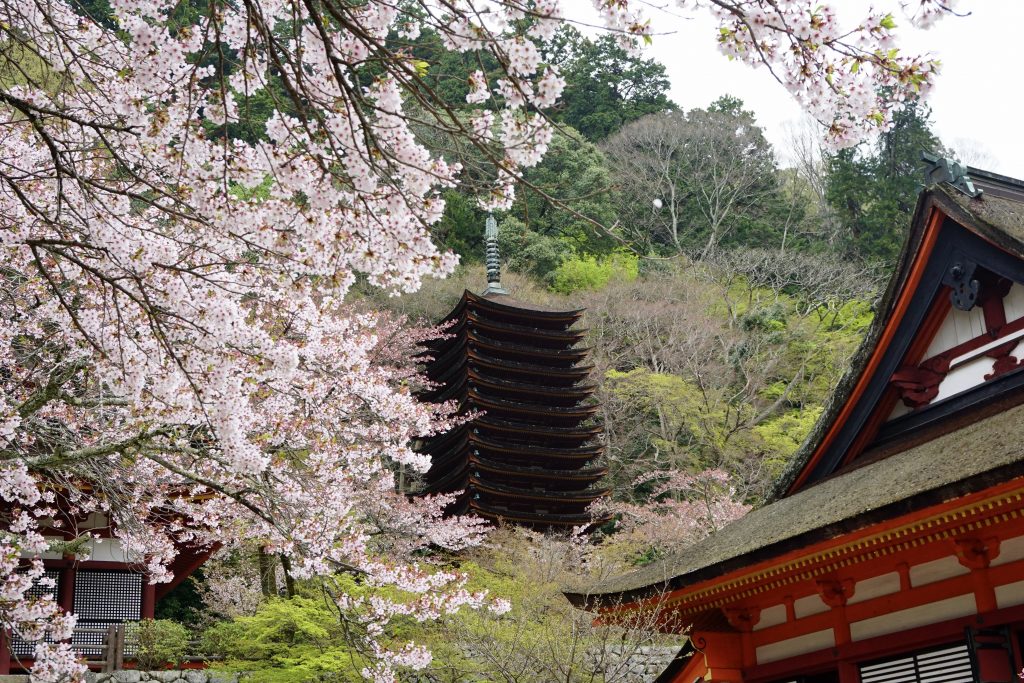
<point>187,193</point>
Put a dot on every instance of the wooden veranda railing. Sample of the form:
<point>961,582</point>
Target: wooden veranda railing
<point>106,656</point>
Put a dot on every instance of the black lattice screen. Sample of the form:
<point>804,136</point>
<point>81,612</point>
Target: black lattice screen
<point>19,647</point>
<point>108,596</point>
<point>946,665</point>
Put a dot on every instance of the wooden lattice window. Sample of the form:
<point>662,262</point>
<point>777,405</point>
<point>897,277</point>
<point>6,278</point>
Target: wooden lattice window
<point>950,664</point>
<point>19,647</point>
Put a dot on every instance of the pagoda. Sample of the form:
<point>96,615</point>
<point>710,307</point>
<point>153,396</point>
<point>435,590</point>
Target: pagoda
<point>529,452</point>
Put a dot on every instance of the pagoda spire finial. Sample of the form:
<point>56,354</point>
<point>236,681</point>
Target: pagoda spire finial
<point>493,259</point>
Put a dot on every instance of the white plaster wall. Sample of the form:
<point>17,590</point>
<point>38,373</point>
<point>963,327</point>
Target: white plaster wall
<point>894,622</point>
<point>810,642</point>
<point>1010,594</point>
<point>812,604</point>
<point>1010,550</point>
<point>958,327</point>
<point>936,570</point>
<point>874,587</point>
<point>772,616</point>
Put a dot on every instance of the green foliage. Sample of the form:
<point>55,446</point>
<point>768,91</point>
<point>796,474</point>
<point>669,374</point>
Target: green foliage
<point>590,272</point>
<point>157,643</point>
<point>184,603</point>
<point>873,188</point>
<point>287,640</point>
<point>783,435</point>
<point>605,86</point>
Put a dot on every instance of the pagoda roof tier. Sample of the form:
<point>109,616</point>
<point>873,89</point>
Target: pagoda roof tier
<point>455,386</point>
<point>504,307</point>
<point>526,431</point>
<point>540,413</point>
<point>535,518</point>
<point>528,334</point>
<point>584,496</point>
<point>449,367</point>
<point>512,351</point>
<point>583,474</point>
<point>526,451</point>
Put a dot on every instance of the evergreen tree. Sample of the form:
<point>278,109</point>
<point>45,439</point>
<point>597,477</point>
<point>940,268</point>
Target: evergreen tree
<point>872,188</point>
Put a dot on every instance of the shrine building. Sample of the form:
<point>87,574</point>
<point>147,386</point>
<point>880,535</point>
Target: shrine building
<point>892,549</point>
<point>104,584</point>
<point>528,452</point>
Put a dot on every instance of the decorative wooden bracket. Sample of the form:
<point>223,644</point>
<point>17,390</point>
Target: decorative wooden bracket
<point>919,384</point>
<point>743,619</point>
<point>835,593</point>
<point>976,553</point>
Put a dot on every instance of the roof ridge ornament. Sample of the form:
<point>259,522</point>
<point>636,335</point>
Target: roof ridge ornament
<point>949,171</point>
<point>493,258</point>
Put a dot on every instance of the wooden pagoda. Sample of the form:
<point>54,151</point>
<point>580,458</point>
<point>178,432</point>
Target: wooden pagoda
<point>529,453</point>
<point>892,550</point>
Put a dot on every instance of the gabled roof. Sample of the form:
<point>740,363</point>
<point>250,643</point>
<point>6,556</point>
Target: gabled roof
<point>947,227</point>
<point>824,494</point>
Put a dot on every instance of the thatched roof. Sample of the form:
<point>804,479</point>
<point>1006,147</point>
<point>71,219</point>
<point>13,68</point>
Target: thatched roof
<point>969,459</point>
<point>948,466</point>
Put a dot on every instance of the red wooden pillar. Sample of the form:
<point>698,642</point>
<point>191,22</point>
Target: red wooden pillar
<point>66,589</point>
<point>5,653</point>
<point>148,598</point>
<point>849,672</point>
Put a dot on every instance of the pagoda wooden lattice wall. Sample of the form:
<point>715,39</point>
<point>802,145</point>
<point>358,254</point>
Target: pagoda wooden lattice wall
<point>529,455</point>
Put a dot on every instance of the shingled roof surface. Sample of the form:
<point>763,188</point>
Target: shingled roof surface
<point>946,467</point>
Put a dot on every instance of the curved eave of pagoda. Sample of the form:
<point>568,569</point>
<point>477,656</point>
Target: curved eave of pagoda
<point>443,359</point>
<point>540,519</point>
<point>539,356</point>
<point>531,333</point>
<point>513,310</point>
<point>575,372</point>
<point>455,480</point>
<point>528,451</point>
<point>589,474</point>
<point>584,497</point>
<point>578,392</point>
<point>536,411</point>
<point>517,429</point>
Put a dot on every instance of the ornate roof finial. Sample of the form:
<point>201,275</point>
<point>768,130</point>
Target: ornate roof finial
<point>493,259</point>
<point>942,170</point>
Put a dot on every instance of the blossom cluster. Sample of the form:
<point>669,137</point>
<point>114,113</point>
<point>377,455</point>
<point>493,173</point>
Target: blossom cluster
<point>177,354</point>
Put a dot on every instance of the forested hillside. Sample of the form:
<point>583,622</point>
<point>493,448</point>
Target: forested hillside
<point>229,228</point>
<point>724,295</point>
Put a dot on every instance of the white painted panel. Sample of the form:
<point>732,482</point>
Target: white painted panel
<point>958,327</point>
<point>107,550</point>
<point>95,520</point>
<point>773,616</point>
<point>811,642</point>
<point>874,587</point>
<point>936,570</point>
<point>812,604</point>
<point>1013,302</point>
<point>932,613</point>
<point>964,377</point>
<point>900,409</point>
<point>1010,594</point>
<point>1010,550</point>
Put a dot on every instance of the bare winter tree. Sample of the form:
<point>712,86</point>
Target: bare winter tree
<point>685,179</point>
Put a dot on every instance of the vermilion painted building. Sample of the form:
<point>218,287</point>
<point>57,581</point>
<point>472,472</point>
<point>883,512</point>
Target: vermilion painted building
<point>104,584</point>
<point>892,550</point>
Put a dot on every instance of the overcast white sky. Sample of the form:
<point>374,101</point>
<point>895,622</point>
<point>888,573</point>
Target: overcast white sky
<point>976,104</point>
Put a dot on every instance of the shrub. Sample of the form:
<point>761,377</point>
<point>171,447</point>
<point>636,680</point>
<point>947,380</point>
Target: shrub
<point>157,643</point>
<point>591,272</point>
